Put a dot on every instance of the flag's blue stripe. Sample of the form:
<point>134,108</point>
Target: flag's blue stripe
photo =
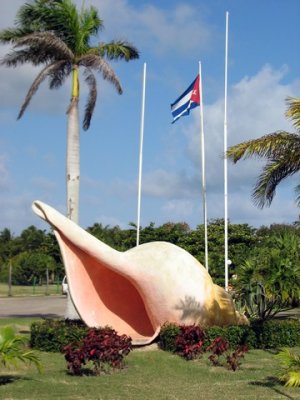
<point>180,110</point>
<point>183,104</point>
<point>183,110</point>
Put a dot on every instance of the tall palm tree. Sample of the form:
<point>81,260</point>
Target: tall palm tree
<point>53,33</point>
<point>280,149</point>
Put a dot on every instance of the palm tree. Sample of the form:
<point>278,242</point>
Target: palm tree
<point>282,153</point>
<point>54,34</point>
<point>58,36</point>
<point>290,363</point>
<point>12,349</point>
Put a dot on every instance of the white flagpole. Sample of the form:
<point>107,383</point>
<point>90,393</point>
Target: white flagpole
<point>225,160</point>
<point>141,157</point>
<point>203,168</point>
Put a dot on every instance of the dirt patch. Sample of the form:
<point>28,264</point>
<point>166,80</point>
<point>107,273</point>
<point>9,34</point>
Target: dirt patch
<point>148,347</point>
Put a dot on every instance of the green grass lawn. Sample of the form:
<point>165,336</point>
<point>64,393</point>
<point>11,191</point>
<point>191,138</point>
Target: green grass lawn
<point>38,290</point>
<point>149,375</point>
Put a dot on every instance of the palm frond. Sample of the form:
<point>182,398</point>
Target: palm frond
<point>269,146</point>
<point>90,106</point>
<point>293,111</point>
<point>47,71</point>
<point>74,27</point>
<point>62,18</point>
<point>30,18</point>
<point>12,349</point>
<point>292,379</point>
<point>11,34</point>
<point>23,56</point>
<point>67,24</point>
<point>272,174</point>
<point>290,361</point>
<point>59,73</point>
<point>90,24</point>
<point>34,55</point>
<point>46,42</point>
<point>37,15</point>
<point>118,50</point>
<point>100,65</point>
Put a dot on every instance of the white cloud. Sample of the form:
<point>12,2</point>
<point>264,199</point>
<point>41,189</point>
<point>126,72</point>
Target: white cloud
<point>179,30</point>
<point>164,184</point>
<point>4,174</point>
<point>181,210</point>
<point>282,210</point>
<point>16,214</point>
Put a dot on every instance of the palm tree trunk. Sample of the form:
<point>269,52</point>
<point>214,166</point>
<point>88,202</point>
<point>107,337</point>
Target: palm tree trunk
<point>73,161</point>
<point>73,170</point>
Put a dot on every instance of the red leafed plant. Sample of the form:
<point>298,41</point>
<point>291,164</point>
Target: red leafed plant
<point>189,342</point>
<point>103,347</point>
<point>234,359</point>
<point>219,347</point>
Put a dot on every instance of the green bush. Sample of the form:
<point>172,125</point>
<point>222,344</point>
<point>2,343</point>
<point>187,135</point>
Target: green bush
<point>237,335</point>
<point>274,334</point>
<point>269,334</point>
<point>53,335</point>
<point>168,336</point>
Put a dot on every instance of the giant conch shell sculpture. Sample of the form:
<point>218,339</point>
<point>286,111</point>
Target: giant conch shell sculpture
<point>136,291</point>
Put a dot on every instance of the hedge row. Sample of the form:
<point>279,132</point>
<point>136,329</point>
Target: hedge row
<point>271,334</point>
<point>53,335</point>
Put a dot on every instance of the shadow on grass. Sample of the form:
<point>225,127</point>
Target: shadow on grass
<point>106,370</point>
<point>271,382</point>
<point>6,379</point>
<point>84,372</point>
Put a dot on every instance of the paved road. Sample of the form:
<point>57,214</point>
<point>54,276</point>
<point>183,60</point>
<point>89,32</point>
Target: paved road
<point>38,306</point>
<point>54,306</point>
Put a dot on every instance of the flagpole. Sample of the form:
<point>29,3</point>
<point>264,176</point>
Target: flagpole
<point>203,168</point>
<point>141,157</point>
<point>225,159</point>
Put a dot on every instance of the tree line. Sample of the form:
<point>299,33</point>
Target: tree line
<point>35,251</point>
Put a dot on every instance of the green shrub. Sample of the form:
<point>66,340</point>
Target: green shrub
<point>269,334</point>
<point>236,335</point>
<point>212,333</point>
<point>274,334</point>
<point>53,335</point>
<point>168,336</point>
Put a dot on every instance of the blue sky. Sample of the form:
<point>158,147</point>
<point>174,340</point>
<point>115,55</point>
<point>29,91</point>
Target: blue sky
<point>172,36</point>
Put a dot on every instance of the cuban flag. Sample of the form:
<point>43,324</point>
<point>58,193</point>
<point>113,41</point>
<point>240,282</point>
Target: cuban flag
<point>187,101</point>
